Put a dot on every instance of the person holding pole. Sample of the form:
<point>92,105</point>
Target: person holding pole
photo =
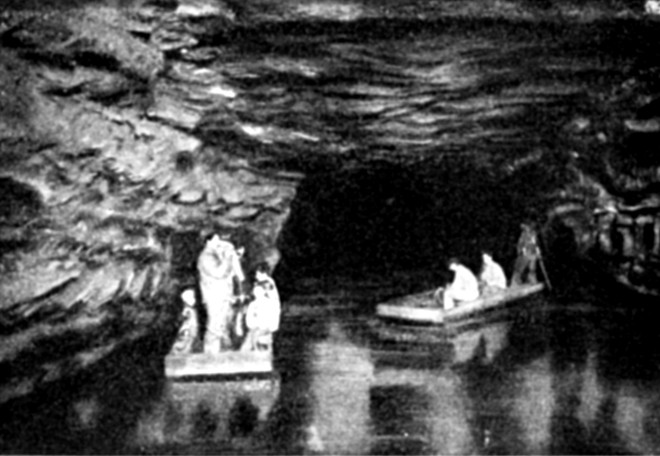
<point>529,255</point>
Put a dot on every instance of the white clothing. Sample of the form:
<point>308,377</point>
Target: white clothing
<point>219,266</point>
<point>465,287</point>
<point>492,275</point>
<point>187,332</point>
<point>263,312</point>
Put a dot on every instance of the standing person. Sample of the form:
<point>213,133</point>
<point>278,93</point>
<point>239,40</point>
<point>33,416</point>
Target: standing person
<point>220,280</point>
<point>189,329</point>
<point>262,317</point>
<point>529,253</point>
<point>492,277</point>
<point>464,287</point>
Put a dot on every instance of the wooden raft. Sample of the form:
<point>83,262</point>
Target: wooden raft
<point>421,308</point>
<point>233,362</point>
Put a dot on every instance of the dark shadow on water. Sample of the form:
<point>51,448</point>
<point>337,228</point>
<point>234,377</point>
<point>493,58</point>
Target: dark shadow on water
<point>628,344</point>
<point>90,413</point>
<point>243,417</point>
<point>489,385</point>
<point>397,415</point>
<point>288,420</point>
<point>618,348</point>
<point>605,335</point>
<point>604,432</point>
<point>569,434</point>
<point>204,422</point>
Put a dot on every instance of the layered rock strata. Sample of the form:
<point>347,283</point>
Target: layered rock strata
<point>105,182</point>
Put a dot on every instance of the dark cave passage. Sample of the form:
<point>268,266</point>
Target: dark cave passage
<point>386,218</point>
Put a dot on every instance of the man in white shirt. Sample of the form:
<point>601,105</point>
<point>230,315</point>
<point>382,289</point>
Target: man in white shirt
<point>492,277</point>
<point>464,287</point>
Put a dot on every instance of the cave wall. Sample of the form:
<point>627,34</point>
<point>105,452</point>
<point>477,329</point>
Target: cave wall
<point>105,181</point>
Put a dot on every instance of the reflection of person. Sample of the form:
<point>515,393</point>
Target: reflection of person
<point>262,317</point>
<point>189,326</point>
<point>529,253</point>
<point>464,287</point>
<point>492,277</point>
<point>220,281</point>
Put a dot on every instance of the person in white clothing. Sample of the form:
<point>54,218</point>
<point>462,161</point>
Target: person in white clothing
<point>262,317</point>
<point>189,328</point>
<point>464,287</point>
<point>492,277</point>
<point>220,281</point>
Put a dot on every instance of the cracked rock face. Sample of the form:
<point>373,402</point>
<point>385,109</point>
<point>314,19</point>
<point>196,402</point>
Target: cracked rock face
<point>103,179</point>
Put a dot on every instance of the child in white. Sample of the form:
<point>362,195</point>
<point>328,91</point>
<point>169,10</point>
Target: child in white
<point>262,317</point>
<point>189,326</point>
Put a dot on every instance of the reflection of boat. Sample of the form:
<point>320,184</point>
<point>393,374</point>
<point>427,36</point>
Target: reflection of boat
<point>230,362</point>
<point>430,346</point>
<point>228,416</point>
<point>396,331</point>
<point>422,309</point>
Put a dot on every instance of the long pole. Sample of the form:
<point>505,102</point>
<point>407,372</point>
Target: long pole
<point>544,272</point>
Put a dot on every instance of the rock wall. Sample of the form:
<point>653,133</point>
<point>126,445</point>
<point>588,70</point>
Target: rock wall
<point>102,174</point>
<point>612,205</point>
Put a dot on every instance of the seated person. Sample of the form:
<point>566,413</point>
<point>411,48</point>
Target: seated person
<point>492,277</point>
<point>464,287</point>
<point>262,317</point>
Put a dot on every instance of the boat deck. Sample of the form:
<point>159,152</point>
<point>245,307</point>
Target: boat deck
<point>226,363</point>
<point>421,308</point>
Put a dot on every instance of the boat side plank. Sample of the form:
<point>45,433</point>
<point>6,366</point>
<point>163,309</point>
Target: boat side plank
<point>421,308</point>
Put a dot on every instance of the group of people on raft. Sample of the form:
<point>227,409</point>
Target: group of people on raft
<point>467,287</point>
<point>234,319</point>
<point>247,321</point>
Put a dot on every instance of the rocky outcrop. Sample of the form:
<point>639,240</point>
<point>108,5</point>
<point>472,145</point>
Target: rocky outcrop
<point>104,177</point>
<point>611,205</point>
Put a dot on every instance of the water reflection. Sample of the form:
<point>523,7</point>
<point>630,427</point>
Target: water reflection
<point>227,415</point>
<point>90,413</point>
<point>341,407</point>
<point>542,379</point>
<point>397,416</point>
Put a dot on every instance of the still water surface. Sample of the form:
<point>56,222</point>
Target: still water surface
<point>540,379</point>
